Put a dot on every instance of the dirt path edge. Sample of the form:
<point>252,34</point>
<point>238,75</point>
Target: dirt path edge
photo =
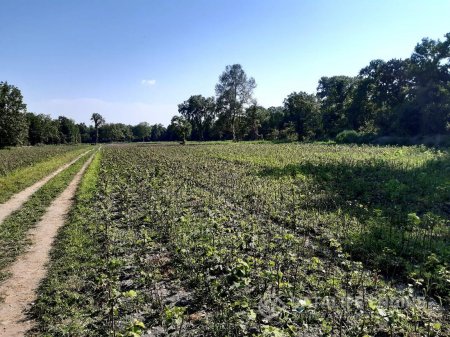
<point>18,291</point>
<point>18,199</point>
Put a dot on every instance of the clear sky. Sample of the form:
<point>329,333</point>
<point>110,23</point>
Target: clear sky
<point>135,60</point>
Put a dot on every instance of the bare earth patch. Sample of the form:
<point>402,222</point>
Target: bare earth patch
<point>18,292</point>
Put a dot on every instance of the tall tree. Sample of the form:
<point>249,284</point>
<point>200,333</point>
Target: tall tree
<point>303,110</point>
<point>68,130</point>
<point>42,129</point>
<point>234,92</point>
<point>380,89</point>
<point>158,132</point>
<point>200,112</point>
<point>335,96</point>
<point>98,122</point>
<point>182,127</point>
<point>430,71</point>
<point>273,123</point>
<point>255,115</point>
<point>13,123</point>
<point>85,133</point>
<point>142,131</point>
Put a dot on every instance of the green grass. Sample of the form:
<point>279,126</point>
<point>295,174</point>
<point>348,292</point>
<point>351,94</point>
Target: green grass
<point>13,230</point>
<point>15,158</point>
<point>21,178</point>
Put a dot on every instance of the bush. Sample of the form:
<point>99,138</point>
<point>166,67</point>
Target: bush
<point>352,136</point>
<point>347,136</point>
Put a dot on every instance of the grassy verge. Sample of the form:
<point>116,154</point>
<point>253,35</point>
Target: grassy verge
<point>13,238</point>
<point>65,304</point>
<point>22,178</point>
<point>15,158</point>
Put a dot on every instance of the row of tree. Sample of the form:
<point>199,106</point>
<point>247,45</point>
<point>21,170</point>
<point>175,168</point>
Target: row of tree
<point>399,97</point>
<point>19,127</point>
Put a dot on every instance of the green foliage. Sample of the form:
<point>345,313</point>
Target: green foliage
<point>347,137</point>
<point>142,131</point>
<point>181,127</point>
<point>13,125</point>
<point>399,97</point>
<point>303,110</point>
<point>42,129</point>
<point>352,136</point>
<point>291,239</point>
<point>99,121</point>
<point>254,118</point>
<point>200,112</point>
<point>69,132</point>
<point>335,97</point>
<point>234,91</point>
<point>20,157</point>
<point>21,167</point>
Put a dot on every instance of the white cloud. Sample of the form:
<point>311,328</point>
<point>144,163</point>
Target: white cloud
<point>148,82</point>
<point>81,109</point>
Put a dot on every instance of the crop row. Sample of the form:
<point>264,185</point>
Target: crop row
<point>189,242</point>
<point>19,157</point>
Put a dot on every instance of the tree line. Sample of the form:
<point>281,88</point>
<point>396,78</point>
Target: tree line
<point>399,97</point>
<point>19,127</point>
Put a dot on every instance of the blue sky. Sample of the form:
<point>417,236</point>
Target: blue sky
<point>135,60</point>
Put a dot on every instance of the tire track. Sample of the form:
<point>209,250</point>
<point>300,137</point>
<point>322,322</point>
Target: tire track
<point>18,291</point>
<point>18,199</point>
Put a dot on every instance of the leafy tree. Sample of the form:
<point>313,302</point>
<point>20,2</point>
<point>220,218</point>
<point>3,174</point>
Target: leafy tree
<point>68,131</point>
<point>181,127</point>
<point>273,122</point>
<point>200,112</point>
<point>13,124</point>
<point>234,92</point>
<point>142,130</point>
<point>430,72</point>
<point>255,115</point>
<point>288,132</point>
<point>380,89</point>
<point>42,129</point>
<point>303,110</point>
<point>86,133</point>
<point>115,132</point>
<point>158,132</point>
<point>123,132</point>
<point>98,122</point>
<point>335,95</point>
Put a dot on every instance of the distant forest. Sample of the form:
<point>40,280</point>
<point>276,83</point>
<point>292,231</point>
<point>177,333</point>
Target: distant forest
<point>395,98</point>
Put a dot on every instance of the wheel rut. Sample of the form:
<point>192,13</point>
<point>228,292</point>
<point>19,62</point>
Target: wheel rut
<point>18,199</point>
<point>18,291</point>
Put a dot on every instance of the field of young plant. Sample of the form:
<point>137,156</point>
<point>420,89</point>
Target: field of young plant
<point>20,167</point>
<point>254,240</point>
<point>19,157</point>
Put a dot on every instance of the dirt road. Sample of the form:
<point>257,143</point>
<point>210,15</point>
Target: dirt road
<point>17,200</point>
<point>18,291</point>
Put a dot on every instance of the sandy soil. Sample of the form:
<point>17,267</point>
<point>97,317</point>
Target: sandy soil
<point>17,200</point>
<point>18,291</point>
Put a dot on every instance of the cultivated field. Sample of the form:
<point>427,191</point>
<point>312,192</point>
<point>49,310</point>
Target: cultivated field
<point>21,167</point>
<point>253,240</point>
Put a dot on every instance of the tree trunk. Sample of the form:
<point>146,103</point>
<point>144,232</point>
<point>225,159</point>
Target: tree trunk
<point>233,127</point>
